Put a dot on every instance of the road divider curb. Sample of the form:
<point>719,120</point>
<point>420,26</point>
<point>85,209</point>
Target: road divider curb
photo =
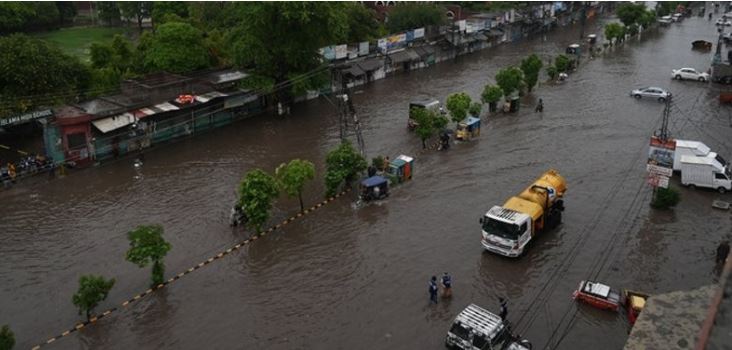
<point>95,319</point>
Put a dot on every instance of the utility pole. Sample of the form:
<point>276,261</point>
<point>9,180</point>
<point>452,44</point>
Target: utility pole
<point>583,19</point>
<point>663,133</point>
<point>346,111</point>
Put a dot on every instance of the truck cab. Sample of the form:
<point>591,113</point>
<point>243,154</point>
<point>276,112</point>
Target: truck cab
<point>507,229</point>
<point>476,328</point>
<point>705,172</point>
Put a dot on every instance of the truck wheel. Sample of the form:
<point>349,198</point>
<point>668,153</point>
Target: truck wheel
<point>691,186</point>
<point>721,190</point>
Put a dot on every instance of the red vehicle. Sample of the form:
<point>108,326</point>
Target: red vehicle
<point>634,303</point>
<point>597,295</point>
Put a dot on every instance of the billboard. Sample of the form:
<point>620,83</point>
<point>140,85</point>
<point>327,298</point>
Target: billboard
<point>660,165</point>
<point>396,41</point>
<point>363,48</point>
<point>382,44</point>
<point>341,51</point>
<point>461,25</point>
<point>419,33</point>
<point>328,53</point>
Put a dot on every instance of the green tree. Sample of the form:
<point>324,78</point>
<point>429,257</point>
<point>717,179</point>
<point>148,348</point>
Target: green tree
<point>614,31</point>
<point>552,72</point>
<point>664,8</point>
<point>107,11</point>
<point>458,105</point>
<point>491,95</point>
<point>176,47</point>
<point>342,165</point>
<point>170,9</point>
<point>362,23</point>
<point>510,80</point>
<point>475,109</point>
<point>414,15</point>
<point>279,41</point>
<point>34,74</point>
<point>630,13</point>
<point>7,338</point>
<point>292,177</point>
<point>147,245</point>
<point>92,291</point>
<point>425,128</point>
<point>647,19</point>
<point>562,63</point>
<point>137,10</point>
<point>665,198</point>
<point>256,193</point>
<point>531,66</point>
<point>66,11</point>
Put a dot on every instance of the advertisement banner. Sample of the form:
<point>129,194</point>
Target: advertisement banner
<point>363,48</point>
<point>410,36</point>
<point>656,180</point>
<point>661,153</point>
<point>396,41</point>
<point>341,51</point>
<point>658,170</point>
<point>382,44</point>
<point>329,53</point>
<point>461,25</point>
<point>419,33</point>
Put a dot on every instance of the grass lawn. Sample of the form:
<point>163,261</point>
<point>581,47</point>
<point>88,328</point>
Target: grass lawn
<point>76,41</point>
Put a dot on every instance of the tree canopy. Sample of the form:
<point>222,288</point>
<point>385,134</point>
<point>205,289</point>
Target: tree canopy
<point>108,11</point>
<point>425,119</point>
<point>362,24</point>
<point>175,47</point>
<point>342,165</point>
<point>147,245</point>
<point>510,80</point>
<point>25,16</point>
<point>256,193</point>
<point>162,11</point>
<point>280,40</point>
<point>614,31</point>
<point>137,10</point>
<point>92,291</point>
<point>414,15</point>
<point>458,105</point>
<point>7,338</point>
<point>562,63</point>
<point>292,177</point>
<point>531,66</point>
<point>491,94</point>
<point>35,74</point>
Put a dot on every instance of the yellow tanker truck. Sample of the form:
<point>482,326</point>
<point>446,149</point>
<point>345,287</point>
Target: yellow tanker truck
<point>509,228</point>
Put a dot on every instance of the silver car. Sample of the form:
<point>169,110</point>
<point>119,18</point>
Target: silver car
<point>652,92</point>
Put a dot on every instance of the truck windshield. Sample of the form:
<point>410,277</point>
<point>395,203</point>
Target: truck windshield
<point>500,228</point>
<point>721,160</point>
<point>460,331</point>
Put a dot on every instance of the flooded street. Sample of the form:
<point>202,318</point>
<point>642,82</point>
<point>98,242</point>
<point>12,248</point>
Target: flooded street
<point>356,278</point>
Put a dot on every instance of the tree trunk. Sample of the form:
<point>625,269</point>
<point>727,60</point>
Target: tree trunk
<point>492,106</point>
<point>139,23</point>
<point>302,206</point>
<point>88,314</point>
<point>424,145</point>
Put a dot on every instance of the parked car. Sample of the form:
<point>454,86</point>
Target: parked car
<point>677,17</point>
<point>723,22</point>
<point>652,92</point>
<point>689,73</point>
<point>727,15</point>
<point>726,80</point>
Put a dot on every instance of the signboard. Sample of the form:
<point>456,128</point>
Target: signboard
<point>461,25</point>
<point>18,119</point>
<point>363,48</point>
<point>656,180</point>
<point>329,53</point>
<point>382,44</point>
<point>660,164</point>
<point>410,36</point>
<point>661,153</point>
<point>419,33</point>
<point>396,41</point>
<point>341,51</point>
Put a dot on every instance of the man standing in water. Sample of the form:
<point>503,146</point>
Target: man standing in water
<point>446,286</point>
<point>433,289</point>
<point>504,309</point>
<point>722,252</point>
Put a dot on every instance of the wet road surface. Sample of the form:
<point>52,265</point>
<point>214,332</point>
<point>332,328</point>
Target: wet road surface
<point>356,277</point>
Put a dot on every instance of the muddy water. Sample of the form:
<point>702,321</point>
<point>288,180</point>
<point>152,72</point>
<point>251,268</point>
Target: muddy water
<point>356,277</point>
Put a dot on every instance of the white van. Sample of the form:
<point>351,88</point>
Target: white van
<point>688,148</point>
<point>476,328</point>
<point>705,172</point>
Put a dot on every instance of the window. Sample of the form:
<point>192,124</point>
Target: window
<point>501,229</point>
<point>522,229</point>
<point>720,176</point>
<point>76,140</point>
<point>479,341</point>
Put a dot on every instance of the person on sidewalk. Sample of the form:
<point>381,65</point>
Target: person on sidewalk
<point>446,286</point>
<point>504,309</point>
<point>433,289</point>
<point>539,106</point>
<point>722,252</point>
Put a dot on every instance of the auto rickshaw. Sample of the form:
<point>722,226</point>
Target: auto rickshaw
<point>401,169</point>
<point>634,302</point>
<point>373,188</point>
<point>468,128</point>
<point>573,49</point>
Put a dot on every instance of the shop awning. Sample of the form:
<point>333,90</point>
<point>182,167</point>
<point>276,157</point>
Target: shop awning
<point>480,37</point>
<point>424,51</point>
<point>209,96</point>
<point>354,71</point>
<point>113,123</point>
<point>371,64</point>
<point>404,56</point>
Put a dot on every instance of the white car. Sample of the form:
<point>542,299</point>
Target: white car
<point>723,22</point>
<point>689,73</point>
<point>677,17</point>
<point>652,92</point>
